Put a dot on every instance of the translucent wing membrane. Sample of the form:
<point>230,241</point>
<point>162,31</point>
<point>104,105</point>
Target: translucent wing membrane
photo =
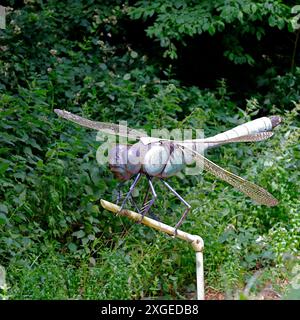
<point>246,138</point>
<point>109,128</point>
<point>253,137</point>
<point>124,131</point>
<point>252,190</point>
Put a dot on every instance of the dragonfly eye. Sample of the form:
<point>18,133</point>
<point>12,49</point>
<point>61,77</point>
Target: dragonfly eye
<point>118,162</point>
<point>275,120</point>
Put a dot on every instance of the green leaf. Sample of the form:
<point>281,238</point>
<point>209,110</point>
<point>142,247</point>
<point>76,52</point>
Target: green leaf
<point>84,241</point>
<point>79,234</point>
<point>91,237</point>
<point>3,218</point>
<point>72,247</point>
<point>3,167</point>
<point>133,54</point>
<point>211,30</point>
<point>127,76</point>
<point>3,208</point>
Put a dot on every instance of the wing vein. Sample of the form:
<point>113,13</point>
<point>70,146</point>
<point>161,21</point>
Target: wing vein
<point>257,193</point>
<point>109,128</point>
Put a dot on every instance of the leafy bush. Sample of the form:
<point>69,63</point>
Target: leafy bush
<point>172,22</point>
<point>53,234</point>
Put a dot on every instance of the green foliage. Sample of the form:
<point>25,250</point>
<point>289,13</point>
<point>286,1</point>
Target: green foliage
<point>55,240</point>
<point>172,22</point>
<point>282,90</point>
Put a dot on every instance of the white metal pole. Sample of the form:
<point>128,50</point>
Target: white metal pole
<point>198,245</point>
<point>200,275</point>
<point>196,241</point>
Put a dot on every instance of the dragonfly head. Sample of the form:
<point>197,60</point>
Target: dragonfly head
<point>117,159</point>
<point>275,120</point>
<point>126,161</point>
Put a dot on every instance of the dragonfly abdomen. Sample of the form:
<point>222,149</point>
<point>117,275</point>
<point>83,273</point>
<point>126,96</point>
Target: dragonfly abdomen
<point>252,127</point>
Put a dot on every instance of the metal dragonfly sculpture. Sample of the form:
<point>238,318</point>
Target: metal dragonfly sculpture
<point>162,158</point>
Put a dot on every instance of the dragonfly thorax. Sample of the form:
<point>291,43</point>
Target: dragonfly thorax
<point>156,159</point>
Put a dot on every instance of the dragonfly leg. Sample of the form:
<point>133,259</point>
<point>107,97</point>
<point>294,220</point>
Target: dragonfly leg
<point>146,195</point>
<point>136,180</point>
<point>153,216</point>
<point>188,206</point>
<point>148,204</point>
<point>119,193</point>
<point>134,204</point>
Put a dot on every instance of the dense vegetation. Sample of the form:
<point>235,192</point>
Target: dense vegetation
<point>156,64</point>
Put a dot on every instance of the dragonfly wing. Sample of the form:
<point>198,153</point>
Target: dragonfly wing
<point>252,190</point>
<point>246,138</point>
<point>110,128</point>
